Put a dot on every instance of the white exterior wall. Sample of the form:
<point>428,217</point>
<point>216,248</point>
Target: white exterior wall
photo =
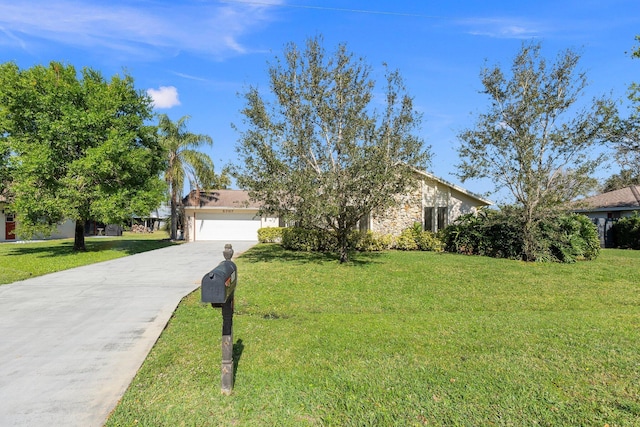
<point>605,214</point>
<point>65,230</point>
<point>225,224</point>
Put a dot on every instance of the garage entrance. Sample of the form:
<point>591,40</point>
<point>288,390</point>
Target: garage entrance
<point>226,226</point>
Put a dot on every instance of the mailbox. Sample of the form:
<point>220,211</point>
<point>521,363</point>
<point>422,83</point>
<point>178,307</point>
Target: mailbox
<point>217,288</point>
<point>218,285</point>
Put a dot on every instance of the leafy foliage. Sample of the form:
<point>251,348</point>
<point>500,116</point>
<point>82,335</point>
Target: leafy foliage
<point>414,238</point>
<point>270,234</point>
<point>627,133</point>
<point>79,147</point>
<point>533,141</point>
<point>373,242</point>
<point>309,239</point>
<point>184,161</point>
<point>559,238</point>
<point>624,179</point>
<point>317,152</point>
<point>626,232</point>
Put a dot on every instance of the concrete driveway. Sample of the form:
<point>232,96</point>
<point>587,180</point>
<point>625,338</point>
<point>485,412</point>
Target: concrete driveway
<point>71,342</point>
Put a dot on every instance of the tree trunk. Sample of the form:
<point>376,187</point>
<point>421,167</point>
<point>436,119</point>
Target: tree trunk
<point>343,243</point>
<point>78,242</point>
<point>174,218</point>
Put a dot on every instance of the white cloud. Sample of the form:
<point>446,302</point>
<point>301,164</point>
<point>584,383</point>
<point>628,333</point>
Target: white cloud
<point>135,28</point>
<point>164,97</point>
<point>511,28</point>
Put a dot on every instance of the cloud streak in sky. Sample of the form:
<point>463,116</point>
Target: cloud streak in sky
<point>512,28</point>
<point>147,29</point>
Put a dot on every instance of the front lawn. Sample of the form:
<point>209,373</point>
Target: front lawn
<point>19,261</point>
<point>404,339</point>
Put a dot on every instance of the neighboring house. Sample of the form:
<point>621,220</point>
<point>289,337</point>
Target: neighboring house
<point>8,227</point>
<point>605,209</point>
<point>230,215</point>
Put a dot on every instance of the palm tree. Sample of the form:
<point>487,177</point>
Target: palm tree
<point>183,161</point>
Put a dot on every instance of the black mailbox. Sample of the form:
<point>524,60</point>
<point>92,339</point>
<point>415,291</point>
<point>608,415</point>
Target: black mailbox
<point>218,284</point>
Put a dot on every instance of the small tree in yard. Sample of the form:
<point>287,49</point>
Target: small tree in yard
<point>79,148</point>
<point>534,141</point>
<point>319,154</point>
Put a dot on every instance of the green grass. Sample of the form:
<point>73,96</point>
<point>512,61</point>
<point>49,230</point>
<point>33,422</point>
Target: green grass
<point>19,261</point>
<point>403,339</point>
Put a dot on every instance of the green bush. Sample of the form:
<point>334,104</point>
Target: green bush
<point>414,238</point>
<point>372,242</point>
<point>428,241</point>
<point>500,234</point>
<point>626,232</point>
<point>309,240</point>
<point>270,235</point>
<point>489,233</point>
<point>406,241</point>
<point>568,238</point>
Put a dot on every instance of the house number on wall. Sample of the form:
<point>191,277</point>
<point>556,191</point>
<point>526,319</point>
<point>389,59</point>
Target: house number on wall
<point>227,211</point>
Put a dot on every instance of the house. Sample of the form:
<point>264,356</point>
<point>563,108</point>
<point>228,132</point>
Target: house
<point>8,227</point>
<point>230,215</point>
<point>605,209</point>
<point>435,203</point>
<point>223,215</point>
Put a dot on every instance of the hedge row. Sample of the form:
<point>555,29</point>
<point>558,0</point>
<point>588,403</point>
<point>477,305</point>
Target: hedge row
<point>312,240</point>
<point>559,238</point>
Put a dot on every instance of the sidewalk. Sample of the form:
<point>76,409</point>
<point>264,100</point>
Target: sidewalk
<point>71,342</point>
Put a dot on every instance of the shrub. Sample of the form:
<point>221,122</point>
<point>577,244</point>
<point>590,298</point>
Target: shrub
<point>372,242</point>
<point>270,235</point>
<point>414,238</point>
<point>428,241</point>
<point>568,238</point>
<point>490,233</point>
<point>626,232</point>
<point>309,240</point>
<point>499,234</point>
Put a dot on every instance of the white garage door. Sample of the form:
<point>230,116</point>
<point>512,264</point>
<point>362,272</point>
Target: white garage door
<point>225,226</point>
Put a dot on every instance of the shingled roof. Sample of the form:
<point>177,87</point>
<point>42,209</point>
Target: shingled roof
<point>624,199</point>
<point>229,199</point>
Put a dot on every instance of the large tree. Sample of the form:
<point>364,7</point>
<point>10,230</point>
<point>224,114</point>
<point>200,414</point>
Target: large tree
<point>185,161</point>
<point>317,152</point>
<point>80,148</point>
<point>536,140</point>
<point>625,178</point>
<point>627,143</point>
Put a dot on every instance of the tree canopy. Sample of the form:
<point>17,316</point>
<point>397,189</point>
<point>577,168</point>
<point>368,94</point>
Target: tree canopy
<point>535,139</point>
<point>317,152</point>
<point>627,144</point>
<point>79,147</point>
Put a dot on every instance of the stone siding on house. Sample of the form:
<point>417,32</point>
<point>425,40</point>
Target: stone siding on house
<point>406,212</point>
<point>410,208</point>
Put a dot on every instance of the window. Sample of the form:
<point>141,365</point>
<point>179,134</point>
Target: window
<point>428,219</point>
<point>363,225</point>
<point>442,217</point>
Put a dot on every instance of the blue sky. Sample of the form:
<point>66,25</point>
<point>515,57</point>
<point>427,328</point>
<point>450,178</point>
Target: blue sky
<point>195,56</point>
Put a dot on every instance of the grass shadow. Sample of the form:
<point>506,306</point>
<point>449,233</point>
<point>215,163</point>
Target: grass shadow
<point>60,249</point>
<point>270,252</point>
<point>238,348</point>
